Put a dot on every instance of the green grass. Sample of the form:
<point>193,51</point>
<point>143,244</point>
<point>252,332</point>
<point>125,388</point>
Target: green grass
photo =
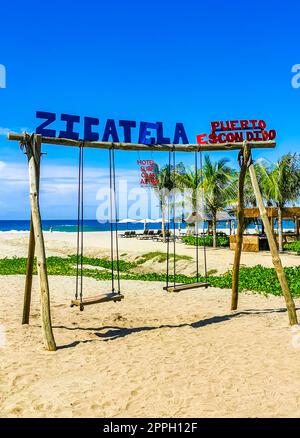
<point>102,262</point>
<point>257,278</point>
<point>160,257</point>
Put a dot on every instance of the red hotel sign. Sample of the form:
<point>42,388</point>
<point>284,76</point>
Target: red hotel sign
<point>234,131</point>
<point>149,171</point>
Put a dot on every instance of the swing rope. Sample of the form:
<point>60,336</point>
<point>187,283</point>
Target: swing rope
<point>178,287</point>
<point>174,212</point>
<point>80,223</point>
<point>111,223</point>
<point>171,184</point>
<point>203,230</point>
<point>168,228</point>
<point>113,296</point>
<point>197,228</point>
<point>114,211</point>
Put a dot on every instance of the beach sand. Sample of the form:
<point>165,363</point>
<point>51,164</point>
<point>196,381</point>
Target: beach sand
<point>152,355</point>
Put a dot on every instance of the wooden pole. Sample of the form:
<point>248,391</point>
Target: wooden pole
<point>273,248</point>
<point>29,270</point>
<point>240,227</point>
<point>31,246</point>
<point>31,148</point>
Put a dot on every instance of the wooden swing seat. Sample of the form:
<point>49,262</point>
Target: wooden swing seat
<point>185,286</point>
<point>102,298</point>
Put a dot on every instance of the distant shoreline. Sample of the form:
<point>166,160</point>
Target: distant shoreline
<point>121,228</point>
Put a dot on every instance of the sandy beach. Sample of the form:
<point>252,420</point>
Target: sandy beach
<point>153,354</point>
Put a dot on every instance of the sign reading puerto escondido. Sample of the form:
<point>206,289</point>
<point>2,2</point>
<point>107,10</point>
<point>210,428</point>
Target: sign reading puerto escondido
<point>234,131</point>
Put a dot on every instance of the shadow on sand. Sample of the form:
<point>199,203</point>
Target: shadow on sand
<point>110,333</point>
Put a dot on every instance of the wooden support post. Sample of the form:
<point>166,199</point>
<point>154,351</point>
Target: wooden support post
<point>273,248</point>
<point>36,145</point>
<point>33,149</point>
<point>240,226</point>
<point>29,270</point>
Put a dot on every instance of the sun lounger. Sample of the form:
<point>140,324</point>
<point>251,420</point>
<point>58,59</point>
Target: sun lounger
<point>148,236</point>
<point>125,235</point>
<point>142,235</point>
<point>160,238</point>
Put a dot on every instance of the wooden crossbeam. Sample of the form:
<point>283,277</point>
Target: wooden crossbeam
<point>96,299</point>
<point>145,147</point>
<point>185,286</point>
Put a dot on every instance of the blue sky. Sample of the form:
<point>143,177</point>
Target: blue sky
<point>168,61</point>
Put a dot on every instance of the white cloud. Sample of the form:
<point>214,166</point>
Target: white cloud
<point>4,131</point>
<point>59,186</point>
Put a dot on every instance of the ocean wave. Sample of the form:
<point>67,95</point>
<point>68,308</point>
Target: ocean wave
<point>13,231</point>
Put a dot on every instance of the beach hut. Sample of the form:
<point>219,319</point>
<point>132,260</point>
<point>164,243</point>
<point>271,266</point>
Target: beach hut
<point>201,216</point>
<point>256,241</point>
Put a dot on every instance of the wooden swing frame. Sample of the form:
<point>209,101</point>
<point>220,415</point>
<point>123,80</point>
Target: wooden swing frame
<point>33,144</point>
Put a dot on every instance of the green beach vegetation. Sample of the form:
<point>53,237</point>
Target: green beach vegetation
<point>293,247</point>
<point>257,278</point>
<point>222,241</point>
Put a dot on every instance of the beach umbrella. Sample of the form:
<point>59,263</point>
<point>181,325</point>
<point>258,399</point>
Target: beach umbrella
<point>159,220</point>
<point>127,221</point>
<point>146,221</point>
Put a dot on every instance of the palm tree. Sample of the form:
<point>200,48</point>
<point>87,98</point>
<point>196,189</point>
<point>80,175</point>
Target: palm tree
<point>280,185</point>
<point>249,196</point>
<point>190,179</point>
<point>165,184</point>
<point>219,187</point>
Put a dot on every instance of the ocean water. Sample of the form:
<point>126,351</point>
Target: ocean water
<point>94,225</point>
